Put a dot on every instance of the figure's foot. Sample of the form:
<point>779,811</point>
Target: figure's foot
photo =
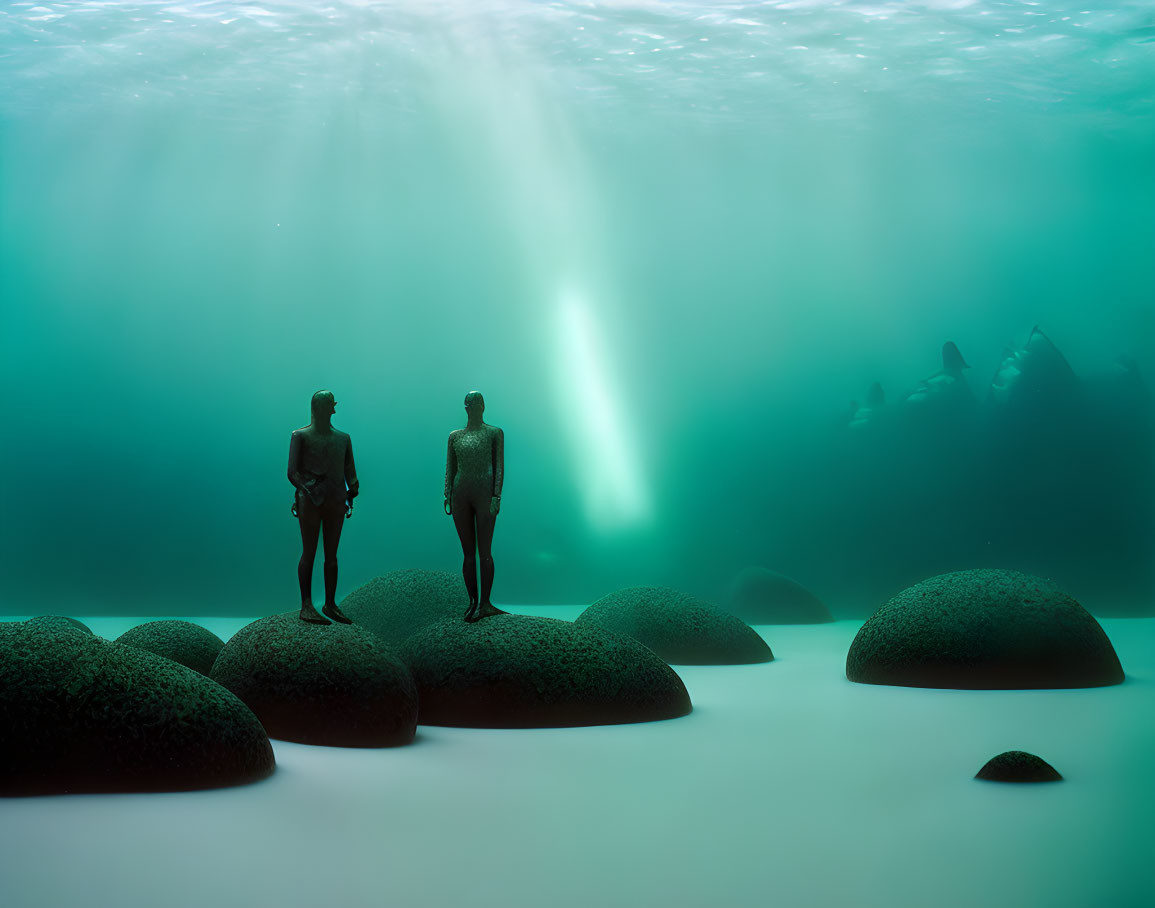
<point>309,614</point>
<point>471,613</point>
<point>336,614</point>
<point>488,610</point>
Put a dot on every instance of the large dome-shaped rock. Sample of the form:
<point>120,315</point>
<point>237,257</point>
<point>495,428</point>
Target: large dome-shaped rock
<point>680,628</point>
<point>759,596</point>
<point>335,684</point>
<point>517,671</point>
<point>80,714</point>
<point>1018,766</point>
<point>181,641</point>
<point>400,603</point>
<point>983,629</point>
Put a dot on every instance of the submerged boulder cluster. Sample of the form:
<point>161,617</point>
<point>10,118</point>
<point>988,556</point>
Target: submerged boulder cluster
<point>168,706</point>
<point>81,714</point>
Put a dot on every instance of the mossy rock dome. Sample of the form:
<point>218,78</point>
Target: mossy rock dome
<point>759,596</point>
<point>983,629</point>
<point>81,714</point>
<point>1018,766</point>
<point>517,671</point>
<point>181,641</point>
<point>59,621</point>
<point>335,684</point>
<point>680,628</point>
<point>400,603</point>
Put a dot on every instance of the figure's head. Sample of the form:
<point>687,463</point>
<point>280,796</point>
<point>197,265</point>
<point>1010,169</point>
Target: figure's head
<point>323,404</point>
<point>474,403</point>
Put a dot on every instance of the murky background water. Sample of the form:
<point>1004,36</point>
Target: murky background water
<point>669,241</point>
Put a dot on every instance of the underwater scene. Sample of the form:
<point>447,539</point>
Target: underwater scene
<point>660,452</point>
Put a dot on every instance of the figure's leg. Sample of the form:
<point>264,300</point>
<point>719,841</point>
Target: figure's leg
<point>485,525</point>
<point>463,515</point>
<point>310,520</point>
<point>333,522</point>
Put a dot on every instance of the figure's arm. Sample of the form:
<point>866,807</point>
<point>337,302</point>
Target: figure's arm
<point>498,469</point>
<point>350,472</point>
<point>450,473</point>
<point>295,461</point>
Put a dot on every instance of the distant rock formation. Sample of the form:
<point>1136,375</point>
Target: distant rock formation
<point>335,684</point>
<point>517,671</point>
<point>760,596</point>
<point>680,628</point>
<point>1036,374</point>
<point>1018,766</point>
<point>80,714</point>
<point>983,629</point>
<point>400,603</point>
<point>181,641</point>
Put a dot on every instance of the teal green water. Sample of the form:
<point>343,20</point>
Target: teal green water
<point>668,241</point>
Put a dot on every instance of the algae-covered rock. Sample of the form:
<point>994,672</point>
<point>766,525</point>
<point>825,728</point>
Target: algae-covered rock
<point>1018,766</point>
<point>181,641</point>
<point>400,603</point>
<point>517,671</point>
<point>80,714</point>
<point>983,629</point>
<point>680,628</point>
<point>759,596</point>
<point>58,621</point>
<point>335,684</point>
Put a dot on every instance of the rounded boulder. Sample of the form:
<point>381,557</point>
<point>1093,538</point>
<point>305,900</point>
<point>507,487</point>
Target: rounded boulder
<point>81,714</point>
<point>335,684</point>
<point>60,622</point>
<point>1018,766</point>
<point>518,671</point>
<point>181,641</point>
<point>983,629</point>
<point>400,603</point>
<point>759,596</point>
<point>680,628</point>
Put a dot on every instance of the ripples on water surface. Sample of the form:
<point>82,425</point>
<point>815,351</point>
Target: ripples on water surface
<point>713,59</point>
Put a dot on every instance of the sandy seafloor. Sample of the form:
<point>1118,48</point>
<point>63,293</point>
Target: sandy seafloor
<point>787,785</point>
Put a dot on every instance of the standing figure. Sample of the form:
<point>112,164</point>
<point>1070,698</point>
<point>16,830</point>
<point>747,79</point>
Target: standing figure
<point>321,470</point>
<point>474,470</point>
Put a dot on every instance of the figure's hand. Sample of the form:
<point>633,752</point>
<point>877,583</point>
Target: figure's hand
<point>448,506</point>
<point>495,505</point>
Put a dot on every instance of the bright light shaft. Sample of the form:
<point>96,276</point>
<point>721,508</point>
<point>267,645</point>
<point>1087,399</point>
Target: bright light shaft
<point>607,468</point>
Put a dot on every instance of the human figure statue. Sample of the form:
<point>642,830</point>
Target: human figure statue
<point>474,470</point>
<point>321,470</point>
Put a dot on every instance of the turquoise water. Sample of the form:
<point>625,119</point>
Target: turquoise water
<point>669,241</point>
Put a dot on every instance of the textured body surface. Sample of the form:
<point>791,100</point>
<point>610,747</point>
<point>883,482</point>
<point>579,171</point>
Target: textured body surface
<point>760,596</point>
<point>516,671</point>
<point>80,714</point>
<point>983,629</point>
<point>331,684</point>
<point>400,603</point>
<point>678,627</point>
<point>1018,766</point>
<point>181,641</point>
